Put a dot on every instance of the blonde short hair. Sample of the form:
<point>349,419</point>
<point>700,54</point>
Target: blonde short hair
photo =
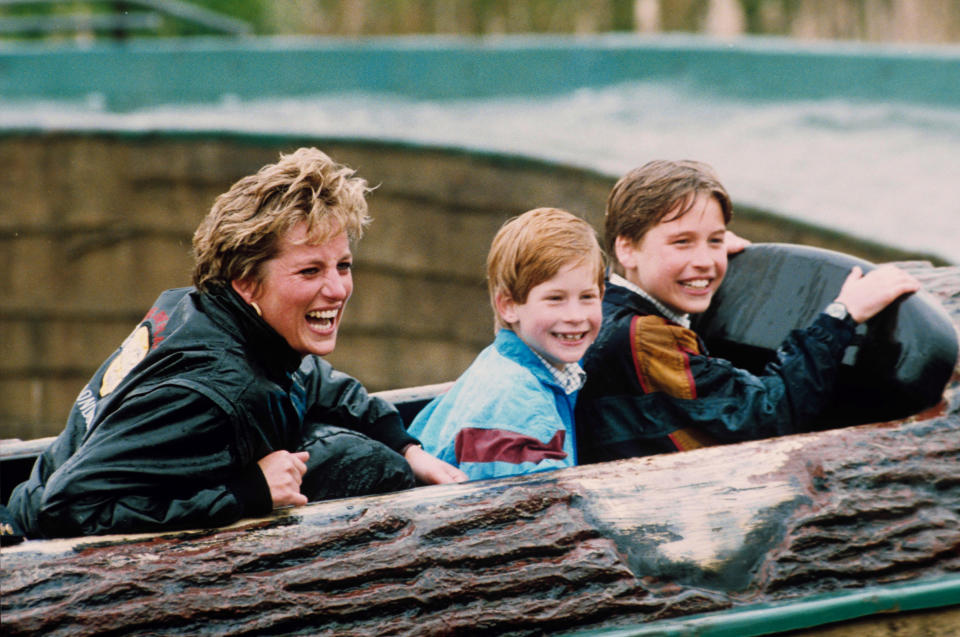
<point>243,228</point>
<point>531,248</point>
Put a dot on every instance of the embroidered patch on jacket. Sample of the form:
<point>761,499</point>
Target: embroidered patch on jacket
<point>661,356</point>
<point>498,445</point>
<point>133,350</point>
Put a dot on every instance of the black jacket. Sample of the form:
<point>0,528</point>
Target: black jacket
<point>652,388</point>
<point>168,431</point>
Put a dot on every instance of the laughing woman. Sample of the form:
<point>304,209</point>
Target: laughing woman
<point>218,405</point>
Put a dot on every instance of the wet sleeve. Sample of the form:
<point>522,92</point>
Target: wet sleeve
<point>335,398</point>
<point>162,460</point>
<point>496,452</point>
<point>682,387</point>
<point>489,433</point>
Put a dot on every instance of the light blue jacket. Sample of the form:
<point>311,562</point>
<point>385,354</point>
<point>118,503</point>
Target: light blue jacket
<point>506,415</point>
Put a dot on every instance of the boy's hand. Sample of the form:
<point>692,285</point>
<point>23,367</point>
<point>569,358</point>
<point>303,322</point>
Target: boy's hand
<point>865,295</point>
<point>734,243</point>
<point>431,470</point>
<point>284,473</point>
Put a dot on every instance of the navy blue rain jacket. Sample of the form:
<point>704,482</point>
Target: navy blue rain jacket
<point>168,432</point>
<point>652,387</point>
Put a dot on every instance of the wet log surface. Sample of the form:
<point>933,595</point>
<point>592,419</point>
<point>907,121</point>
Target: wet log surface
<point>594,546</point>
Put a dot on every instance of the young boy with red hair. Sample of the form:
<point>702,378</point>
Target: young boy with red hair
<point>511,412</point>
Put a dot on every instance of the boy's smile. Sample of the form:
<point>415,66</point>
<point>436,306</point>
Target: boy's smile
<point>561,316</point>
<point>680,261</point>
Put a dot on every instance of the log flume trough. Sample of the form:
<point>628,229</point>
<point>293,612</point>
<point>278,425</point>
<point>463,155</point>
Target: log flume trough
<point>600,546</point>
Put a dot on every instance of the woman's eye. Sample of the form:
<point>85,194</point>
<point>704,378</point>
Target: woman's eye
<point>309,271</point>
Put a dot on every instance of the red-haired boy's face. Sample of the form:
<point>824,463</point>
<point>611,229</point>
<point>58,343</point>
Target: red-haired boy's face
<point>561,316</point>
<point>680,261</point>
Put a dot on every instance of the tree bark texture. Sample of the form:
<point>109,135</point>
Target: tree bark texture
<point>593,546</point>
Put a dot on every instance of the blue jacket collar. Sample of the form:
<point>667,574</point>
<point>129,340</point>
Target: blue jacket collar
<point>511,346</point>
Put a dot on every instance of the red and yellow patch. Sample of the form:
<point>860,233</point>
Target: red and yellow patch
<point>661,357</point>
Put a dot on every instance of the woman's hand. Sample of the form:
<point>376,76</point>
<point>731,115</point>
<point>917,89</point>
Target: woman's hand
<point>284,473</point>
<point>865,295</point>
<point>431,470</point>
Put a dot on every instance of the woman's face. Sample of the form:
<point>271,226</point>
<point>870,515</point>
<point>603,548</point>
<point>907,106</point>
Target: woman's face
<point>303,290</point>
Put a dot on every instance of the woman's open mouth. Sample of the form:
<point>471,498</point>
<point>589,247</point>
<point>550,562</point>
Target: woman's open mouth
<point>322,319</point>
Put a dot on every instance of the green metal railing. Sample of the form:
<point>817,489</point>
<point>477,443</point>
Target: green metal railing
<point>195,70</point>
<point>115,18</point>
<point>771,619</point>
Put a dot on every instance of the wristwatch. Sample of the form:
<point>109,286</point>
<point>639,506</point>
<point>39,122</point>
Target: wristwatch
<point>839,311</point>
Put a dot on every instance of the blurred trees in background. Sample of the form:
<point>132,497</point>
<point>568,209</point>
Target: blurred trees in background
<point>932,21</point>
<point>918,21</point>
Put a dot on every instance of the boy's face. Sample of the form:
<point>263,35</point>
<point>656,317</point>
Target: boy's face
<point>680,262</point>
<point>561,316</point>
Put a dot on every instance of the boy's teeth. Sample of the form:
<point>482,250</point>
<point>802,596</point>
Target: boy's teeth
<point>699,283</point>
<point>571,337</point>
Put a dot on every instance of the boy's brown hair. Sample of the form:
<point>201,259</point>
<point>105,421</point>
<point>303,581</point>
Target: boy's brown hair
<point>243,229</point>
<point>531,248</point>
<point>646,195</point>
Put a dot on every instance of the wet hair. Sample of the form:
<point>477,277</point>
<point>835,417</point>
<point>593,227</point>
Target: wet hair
<point>533,247</point>
<point>645,196</point>
<point>243,228</point>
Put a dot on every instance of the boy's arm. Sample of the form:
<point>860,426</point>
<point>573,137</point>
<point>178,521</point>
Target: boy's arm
<point>498,419</point>
<point>683,388</point>
<point>505,450</point>
<point>666,385</point>
<point>733,404</point>
<point>431,470</point>
<point>865,295</point>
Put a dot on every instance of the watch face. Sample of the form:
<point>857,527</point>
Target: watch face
<point>837,311</point>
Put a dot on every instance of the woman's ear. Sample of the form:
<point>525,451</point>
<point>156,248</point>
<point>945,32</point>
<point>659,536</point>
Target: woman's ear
<point>246,288</point>
<point>506,308</point>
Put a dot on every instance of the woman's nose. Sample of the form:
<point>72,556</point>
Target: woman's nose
<point>334,286</point>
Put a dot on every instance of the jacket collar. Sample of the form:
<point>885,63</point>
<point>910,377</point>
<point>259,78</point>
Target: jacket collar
<point>228,310</point>
<point>511,346</point>
<point>625,299</point>
<point>628,299</point>
<point>679,318</point>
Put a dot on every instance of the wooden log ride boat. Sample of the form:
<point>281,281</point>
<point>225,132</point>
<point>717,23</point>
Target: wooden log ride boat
<point>852,529</point>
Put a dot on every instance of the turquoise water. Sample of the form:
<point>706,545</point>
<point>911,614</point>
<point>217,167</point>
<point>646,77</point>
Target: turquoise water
<point>883,172</point>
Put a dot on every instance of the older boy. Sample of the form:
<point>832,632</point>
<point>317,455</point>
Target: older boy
<point>511,412</point>
<point>651,386</point>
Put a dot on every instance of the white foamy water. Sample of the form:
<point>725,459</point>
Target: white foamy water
<point>881,171</point>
